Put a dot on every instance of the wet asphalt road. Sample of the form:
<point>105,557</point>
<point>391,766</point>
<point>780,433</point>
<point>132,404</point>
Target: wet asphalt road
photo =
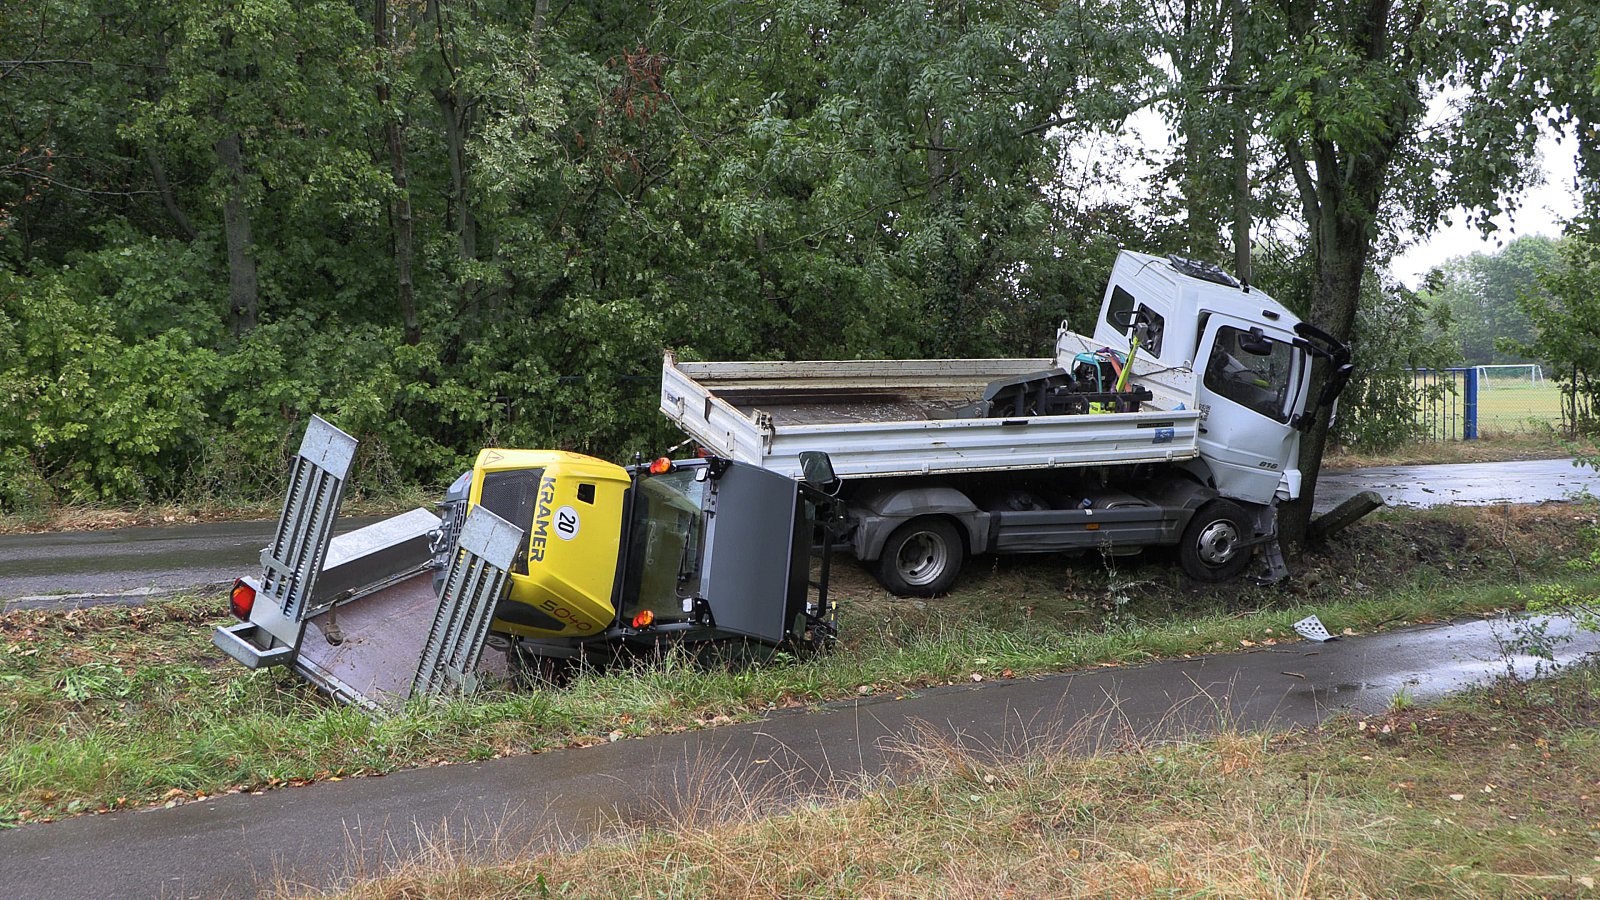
<point>126,564</point>
<point>130,563</point>
<point>238,845</point>
<point>1462,484</point>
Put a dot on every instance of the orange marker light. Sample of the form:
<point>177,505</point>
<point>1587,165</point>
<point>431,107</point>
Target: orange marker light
<point>644,619</point>
<point>241,599</point>
<point>661,466</point>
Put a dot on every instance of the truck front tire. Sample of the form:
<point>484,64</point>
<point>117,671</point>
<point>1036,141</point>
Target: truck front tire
<point>922,558</point>
<point>1215,544</point>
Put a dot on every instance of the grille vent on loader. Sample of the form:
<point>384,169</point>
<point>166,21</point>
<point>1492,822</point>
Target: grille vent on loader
<point>473,585</point>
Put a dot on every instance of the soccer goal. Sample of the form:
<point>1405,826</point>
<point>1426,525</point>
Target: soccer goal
<point>1509,375</point>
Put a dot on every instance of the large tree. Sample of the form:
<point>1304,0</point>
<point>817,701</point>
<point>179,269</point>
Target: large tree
<point>1387,114</point>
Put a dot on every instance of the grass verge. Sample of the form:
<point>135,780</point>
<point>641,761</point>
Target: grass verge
<point>1488,795</point>
<point>1492,446</point>
<point>109,707</point>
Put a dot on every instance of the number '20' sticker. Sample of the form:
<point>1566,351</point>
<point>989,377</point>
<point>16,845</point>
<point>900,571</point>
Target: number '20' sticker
<point>566,523</point>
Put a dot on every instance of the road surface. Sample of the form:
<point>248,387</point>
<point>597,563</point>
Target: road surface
<point>236,845</point>
<point>128,564</point>
<point>1461,484</point>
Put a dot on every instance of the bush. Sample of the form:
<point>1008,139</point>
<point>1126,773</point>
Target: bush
<point>94,416</point>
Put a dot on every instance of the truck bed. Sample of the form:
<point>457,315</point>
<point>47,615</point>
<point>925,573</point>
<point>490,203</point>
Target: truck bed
<point>903,417</point>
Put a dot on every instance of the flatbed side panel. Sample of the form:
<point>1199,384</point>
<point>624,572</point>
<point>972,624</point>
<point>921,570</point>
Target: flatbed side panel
<point>709,419</point>
<point>862,449</point>
<point>981,445</point>
<point>943,375</point>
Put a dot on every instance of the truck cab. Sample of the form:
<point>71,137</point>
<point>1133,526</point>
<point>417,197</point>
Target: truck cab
<point>1242,356</point>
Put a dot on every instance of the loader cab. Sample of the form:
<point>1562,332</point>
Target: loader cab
<point>570,509</point>
<point>1238,349</point>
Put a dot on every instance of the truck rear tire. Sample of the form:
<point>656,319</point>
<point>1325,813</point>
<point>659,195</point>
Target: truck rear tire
<point>922,558</point>
<point>1213,548</point>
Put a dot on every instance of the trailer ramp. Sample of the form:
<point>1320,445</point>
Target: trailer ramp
<point>358,615</point>
<point>402,641</point>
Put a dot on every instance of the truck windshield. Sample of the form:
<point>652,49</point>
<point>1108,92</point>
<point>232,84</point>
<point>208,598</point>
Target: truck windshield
<point>1263,384</point>
<point>665,543</point>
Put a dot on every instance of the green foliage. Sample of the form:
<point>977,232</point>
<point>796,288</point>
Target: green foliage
<point>1565,314</point>
<point>585,187</point>
<point>87,412</point>
<point>1482,294</point>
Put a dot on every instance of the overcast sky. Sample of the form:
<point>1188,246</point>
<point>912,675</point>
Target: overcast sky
<point>1542,211</point>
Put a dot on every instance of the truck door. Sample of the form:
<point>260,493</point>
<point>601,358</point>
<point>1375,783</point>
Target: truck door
<point>1250,388</point>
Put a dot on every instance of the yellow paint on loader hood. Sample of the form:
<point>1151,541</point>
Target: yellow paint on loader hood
<point>573,521</point>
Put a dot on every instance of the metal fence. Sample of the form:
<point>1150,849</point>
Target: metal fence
<point>1464,404</point>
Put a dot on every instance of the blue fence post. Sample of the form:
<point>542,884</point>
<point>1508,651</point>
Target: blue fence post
<point>1469,411</point>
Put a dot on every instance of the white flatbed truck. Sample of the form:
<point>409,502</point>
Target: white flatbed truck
<point>943,459</point>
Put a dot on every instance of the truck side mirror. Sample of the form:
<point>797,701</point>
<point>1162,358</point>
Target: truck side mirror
<point>816,469</point>
<point>1256,343</point>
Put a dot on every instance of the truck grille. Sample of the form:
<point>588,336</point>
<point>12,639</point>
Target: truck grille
<point>513,496</point>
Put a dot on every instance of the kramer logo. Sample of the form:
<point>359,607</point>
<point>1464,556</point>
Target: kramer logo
<point>541,519</point>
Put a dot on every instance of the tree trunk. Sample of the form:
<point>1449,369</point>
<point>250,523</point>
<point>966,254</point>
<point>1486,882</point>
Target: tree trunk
<point>168,200</point>
<point>400,215</point>
<point>1342,246</point>
<point>243,294</point>
<point>456,123</point>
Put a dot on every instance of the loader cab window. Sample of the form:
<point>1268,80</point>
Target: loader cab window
<point>513,495</point>
<point>1263,383</point>
<point>666,542</point>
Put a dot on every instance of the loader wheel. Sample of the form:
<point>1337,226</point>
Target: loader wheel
<point>922,558</point>
<point>1213,546</point>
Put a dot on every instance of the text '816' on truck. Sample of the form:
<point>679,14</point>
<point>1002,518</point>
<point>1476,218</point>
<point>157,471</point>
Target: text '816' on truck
<point>1175,421</point>
<point>548,555</point>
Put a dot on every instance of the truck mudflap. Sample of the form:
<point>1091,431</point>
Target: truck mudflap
<point>375,634</point>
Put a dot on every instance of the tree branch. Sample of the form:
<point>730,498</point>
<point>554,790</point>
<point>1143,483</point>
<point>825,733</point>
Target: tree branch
<point>1303,183</point>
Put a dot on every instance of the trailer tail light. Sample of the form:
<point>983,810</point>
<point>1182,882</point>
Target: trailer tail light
<point>644,619</point>
<point>241,599</point>
<point>661,466</point>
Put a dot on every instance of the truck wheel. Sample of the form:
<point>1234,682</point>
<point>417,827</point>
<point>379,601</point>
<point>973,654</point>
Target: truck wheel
<point>1213,546</point>
<point>922,558</point>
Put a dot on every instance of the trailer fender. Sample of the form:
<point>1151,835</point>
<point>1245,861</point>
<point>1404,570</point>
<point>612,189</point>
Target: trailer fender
<point>876,516</point>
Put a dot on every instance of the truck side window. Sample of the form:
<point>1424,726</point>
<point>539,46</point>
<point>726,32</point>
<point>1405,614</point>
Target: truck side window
<point>1157,323</point>
<point>1120,308</point>
<point>1258,383</point>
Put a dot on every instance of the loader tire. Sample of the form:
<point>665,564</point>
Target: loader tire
<point>1214,545</point>
<point>922,558</point>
